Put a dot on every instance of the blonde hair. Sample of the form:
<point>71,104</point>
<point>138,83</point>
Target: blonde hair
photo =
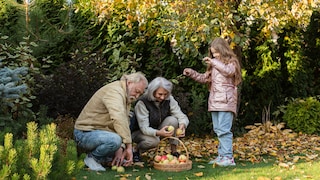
<point>226,56</point>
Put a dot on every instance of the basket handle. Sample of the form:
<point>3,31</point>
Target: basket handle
<point>171,137</point>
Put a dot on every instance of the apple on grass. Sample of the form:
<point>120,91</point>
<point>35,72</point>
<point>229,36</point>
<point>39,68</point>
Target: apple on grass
<point>120,169</point>
<point>114,168</point>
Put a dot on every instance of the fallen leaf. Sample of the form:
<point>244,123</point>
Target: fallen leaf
<point>198,174</point>
<point>201,166</point>
<point>147,176</point>
<point>284,165</point>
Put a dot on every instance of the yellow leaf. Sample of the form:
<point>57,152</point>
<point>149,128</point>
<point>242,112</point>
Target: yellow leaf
<point>284,165</point>
<point>263,178</point>
<point>198,174</point>
<point>148,177</point>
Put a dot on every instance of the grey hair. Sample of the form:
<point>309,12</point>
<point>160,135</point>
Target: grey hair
<point>135,77</point>
<point>155,84</point>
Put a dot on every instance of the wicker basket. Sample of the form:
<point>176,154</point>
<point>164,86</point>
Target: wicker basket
<point>174,167</point>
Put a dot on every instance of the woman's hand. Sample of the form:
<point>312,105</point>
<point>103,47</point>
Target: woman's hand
<point>181,131</point>
<point>164,133</point>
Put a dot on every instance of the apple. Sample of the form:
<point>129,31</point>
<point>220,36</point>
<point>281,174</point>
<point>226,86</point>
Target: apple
<point>157,158</point>
<point>165,161</point>
<point>120,169</point>
<point>178,132</point>
<point>182,158</point>
<point>114,168</point>
<point>170,128</point>
<point>164,157</point>
<point>174,161</point>
<point>170,157</point>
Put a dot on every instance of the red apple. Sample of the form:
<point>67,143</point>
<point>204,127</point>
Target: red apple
<point>182,158</point>
<point>164,157</point>
<point>157,158</point>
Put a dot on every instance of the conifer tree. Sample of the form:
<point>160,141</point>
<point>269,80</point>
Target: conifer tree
<point>10,88</point>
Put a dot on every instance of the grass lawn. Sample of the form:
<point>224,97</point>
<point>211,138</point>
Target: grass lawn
<point>265,144</point>
<point>201,170</point>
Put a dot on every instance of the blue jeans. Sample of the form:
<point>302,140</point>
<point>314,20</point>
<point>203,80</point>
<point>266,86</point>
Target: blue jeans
<point>222,123</point>
<point>101,144</point>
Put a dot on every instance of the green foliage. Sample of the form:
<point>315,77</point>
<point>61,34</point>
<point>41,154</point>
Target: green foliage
<point>200,118</point>
<point>302,115</point>
<point>19,69</point>
<point>69,89</point>
<point>276,41</point>
<point>36,156</point>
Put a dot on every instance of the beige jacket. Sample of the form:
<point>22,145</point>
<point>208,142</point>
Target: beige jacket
<point>223,93</point>
<point>108,109</point>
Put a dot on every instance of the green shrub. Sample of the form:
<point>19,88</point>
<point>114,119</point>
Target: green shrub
<point>303,115</point>
<point>72,84</point>
<point>39,156</point>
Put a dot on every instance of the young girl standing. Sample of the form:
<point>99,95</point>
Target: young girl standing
<point>223,75</point>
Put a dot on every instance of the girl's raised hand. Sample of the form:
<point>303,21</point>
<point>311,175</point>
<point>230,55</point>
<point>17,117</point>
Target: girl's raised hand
<point>187,71</point>
<point>207,60</point>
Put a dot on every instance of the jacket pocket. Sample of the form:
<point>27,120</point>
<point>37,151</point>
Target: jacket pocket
<point>220,97</point>
<point>231,95</point>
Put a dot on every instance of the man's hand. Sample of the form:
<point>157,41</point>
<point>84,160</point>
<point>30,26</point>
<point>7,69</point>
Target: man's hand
<point>127,155</point>
<point>118,157</point>
<point>123,157</point>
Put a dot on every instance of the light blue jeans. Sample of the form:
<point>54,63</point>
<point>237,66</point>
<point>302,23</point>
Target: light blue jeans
<point>222,123</point>
<point>99,143</point>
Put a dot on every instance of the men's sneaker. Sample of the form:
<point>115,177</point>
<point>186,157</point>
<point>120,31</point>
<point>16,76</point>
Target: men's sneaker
<point>225,161</point>
<point>136,157</point>
<point>93,164</point>
<point>218,158</point>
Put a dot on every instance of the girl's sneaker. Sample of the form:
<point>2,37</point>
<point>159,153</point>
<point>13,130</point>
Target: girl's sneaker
<point>225,161</point>
<point>218,158</point>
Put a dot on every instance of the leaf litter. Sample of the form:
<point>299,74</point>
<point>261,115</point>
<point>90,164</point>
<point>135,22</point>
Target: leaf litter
<point>261,140</point>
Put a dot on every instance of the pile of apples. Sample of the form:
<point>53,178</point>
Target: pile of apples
<point>170,159</point>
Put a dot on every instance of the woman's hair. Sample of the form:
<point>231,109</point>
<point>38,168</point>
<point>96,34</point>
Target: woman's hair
<point>135,77</point>
<point>156,84</point>
<point>226,56</point>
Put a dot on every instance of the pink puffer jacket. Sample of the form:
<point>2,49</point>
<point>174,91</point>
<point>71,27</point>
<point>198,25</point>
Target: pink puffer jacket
<point>223,93</point>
